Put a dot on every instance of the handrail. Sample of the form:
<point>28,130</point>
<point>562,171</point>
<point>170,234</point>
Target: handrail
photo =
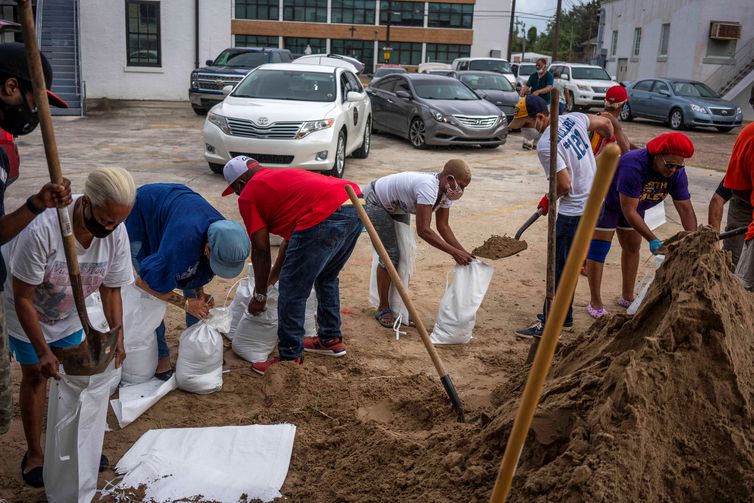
<point>77,55</point>
<point>38,22</point>
<point>721,78</point>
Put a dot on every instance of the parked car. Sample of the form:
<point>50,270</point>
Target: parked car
<point>388,70</point>
<point>494,88</point>
<point>680,104</point>
<point>283,115</point>
<point>432,110</point>
<point>431,67</point>
<point>353,64</point>
<point>442,73</point>
<point>586,84</point>
<point>7,140</point>
<point>497,65</point>
<point>522,71</point>
<point>228,68</point>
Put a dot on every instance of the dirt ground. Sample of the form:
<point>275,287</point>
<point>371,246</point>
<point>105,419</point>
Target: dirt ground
<point>375,411</point>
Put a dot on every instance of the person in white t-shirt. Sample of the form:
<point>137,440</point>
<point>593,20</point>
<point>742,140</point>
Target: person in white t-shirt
<point>41,312</point>
<point>396,197</point>
<point>576,168</point>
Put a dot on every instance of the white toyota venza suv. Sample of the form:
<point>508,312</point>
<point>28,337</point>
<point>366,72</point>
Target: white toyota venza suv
<point>298,116</point>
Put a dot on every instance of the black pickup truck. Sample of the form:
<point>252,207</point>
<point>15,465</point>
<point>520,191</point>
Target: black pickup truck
<point>232,65</point>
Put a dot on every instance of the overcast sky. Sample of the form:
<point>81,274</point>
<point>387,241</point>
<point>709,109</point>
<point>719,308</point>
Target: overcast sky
<point>540,8</point>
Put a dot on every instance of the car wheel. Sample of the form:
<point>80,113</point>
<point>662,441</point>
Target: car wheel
<point>339,166</point>
<point>363,150</point>
<point>416,133</point>
<point>676,119</point>
<point>572,103</point>
<point>625,114</point>
<point>725,129</point>
<point>199,110</point>
<point>216,168</point>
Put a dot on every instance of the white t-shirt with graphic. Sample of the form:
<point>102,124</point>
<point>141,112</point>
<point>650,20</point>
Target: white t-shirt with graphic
<point>37,257</point>
<point>575,155</point>
<point>401,192</point>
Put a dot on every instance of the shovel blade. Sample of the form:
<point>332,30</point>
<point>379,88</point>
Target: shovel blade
<point>92,356</point>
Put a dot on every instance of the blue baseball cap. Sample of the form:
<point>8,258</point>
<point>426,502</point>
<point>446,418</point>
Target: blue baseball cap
<point>527,107</point>
<point>229,247</point>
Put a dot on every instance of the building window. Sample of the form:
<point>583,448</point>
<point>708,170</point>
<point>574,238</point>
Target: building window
<point>404,53</point>
<point>298,45</point>
<point>256,41</point>
<point>403,13</point>
<point>313,11</point>
<point>721,48</point>
<point>664,38</point>
<point>363,50</point>
<point>450,15</point>
<point>637,41</point>
<point>143,33</point>
<point>257,9</point>
<point>614,43</point>
<point>353,11</point>
<point>446,53</point>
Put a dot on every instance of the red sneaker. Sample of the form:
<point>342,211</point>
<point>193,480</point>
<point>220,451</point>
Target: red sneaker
<point>314,345</point>
<point>262,367</point>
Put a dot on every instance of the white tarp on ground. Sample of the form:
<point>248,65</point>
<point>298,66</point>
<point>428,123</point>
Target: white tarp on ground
<point>135,399</point>
<point>218,463</point>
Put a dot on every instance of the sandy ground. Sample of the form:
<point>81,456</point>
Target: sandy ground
<point>384,387</point>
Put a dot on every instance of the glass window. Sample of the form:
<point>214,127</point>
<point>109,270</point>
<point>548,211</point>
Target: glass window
<point>644,85</point>
<point>444,89</point>
<point>486,81</point>
<point>297,45</point>
<point>314,11</point>
<point>614,43</point>
<point>256,41</point>
<point>402,85</point>
<point>287,85</point>
<point>589,73</point>
<point>386,84</point>
<point>353,11</point>
<point>637,41</point>
<point>403,13</point>
<point>526,69</point>
<point>660,86</point>
<point>257,9</point>
<point>717,48</point>
<point>354,82</point>
<point>490,65</point>
<point>363,50</point>
<point>694,89</point>
<point>143,33</point>
<point>241,59</point>
<point>664,38</point>
<point>405,53</point>
<point>446,53</point>
<point>450,15</point>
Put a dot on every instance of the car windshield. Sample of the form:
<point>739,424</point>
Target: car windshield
<point>481,81</point>
<point>443,90</point>
<point>694,89</point>
<point>526,70</point>
<point>381,72</point>
<point>241,59</point>
<point>589,73</point>
<point>490,65</point>
<point>287,85</point>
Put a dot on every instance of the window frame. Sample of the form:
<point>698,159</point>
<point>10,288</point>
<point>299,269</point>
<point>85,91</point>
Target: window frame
<point>452,51</point>
<point>636,47</point>
<point>386,81</point>
<point>354,81</point>
<point>363,50</point>
<point>367,16</point>
<point>403,7</point>
<point>245,44</point>
<point>158,34</point>
<point>270,5</point>
<point>614,43</point>
<point>657,84</point>
<point>649,89</point>
<point>400,48</point>
<point>664,40</point>
<point>321,47</point>
<point>438,11</point>
<point>318,7</point>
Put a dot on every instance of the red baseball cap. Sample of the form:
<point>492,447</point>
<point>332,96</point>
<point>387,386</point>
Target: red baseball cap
<point>671,143</point>
<point>616,94</point>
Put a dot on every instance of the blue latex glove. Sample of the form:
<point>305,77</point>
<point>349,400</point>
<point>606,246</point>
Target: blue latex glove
<point>655,245</point>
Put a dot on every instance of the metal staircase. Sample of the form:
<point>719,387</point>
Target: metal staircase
<point>726,77</point>
<point>58,33</point>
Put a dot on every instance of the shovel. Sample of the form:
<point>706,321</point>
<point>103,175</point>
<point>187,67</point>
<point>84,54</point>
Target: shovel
<point>94,354</point>
<point>733,232</point>
<point>527,224</point>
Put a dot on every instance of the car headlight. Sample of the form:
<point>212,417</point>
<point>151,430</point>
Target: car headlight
<point>439,117</point>
<point>194,81</point>
<point>739,111</point>
<point>583,87</point>
<point>309,127</point>
<point>696,108</point>
<point>219,121</point>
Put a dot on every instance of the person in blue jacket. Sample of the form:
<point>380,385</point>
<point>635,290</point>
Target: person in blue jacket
<point>178,240</point>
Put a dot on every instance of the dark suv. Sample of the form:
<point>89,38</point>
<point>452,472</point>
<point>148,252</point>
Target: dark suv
<point>206,87</point>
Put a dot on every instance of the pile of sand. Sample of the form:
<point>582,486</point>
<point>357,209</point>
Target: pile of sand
<point>497,247</point>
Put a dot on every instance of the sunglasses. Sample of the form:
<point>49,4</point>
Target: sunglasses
<point>670,165</point>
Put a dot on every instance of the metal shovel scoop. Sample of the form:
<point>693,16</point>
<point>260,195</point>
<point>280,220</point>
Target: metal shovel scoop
<point>98,349</point>
<point>497,247</point>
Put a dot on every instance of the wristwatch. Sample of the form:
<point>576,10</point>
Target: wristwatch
<point>260,297</point>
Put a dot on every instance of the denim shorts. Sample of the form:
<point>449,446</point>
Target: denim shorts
<point>24,351</point>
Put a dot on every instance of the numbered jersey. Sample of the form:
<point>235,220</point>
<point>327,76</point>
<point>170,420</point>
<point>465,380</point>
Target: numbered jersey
<point>575,155</point>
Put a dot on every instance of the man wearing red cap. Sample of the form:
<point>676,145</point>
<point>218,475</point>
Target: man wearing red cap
<point>643,179</point>
<point>615,98</point>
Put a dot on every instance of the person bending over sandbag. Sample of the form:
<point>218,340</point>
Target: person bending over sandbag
<point>395,198</point>
<point>319,227</point>
<point>643,179</point>
<point>41,312</point>
<point>178,240</point>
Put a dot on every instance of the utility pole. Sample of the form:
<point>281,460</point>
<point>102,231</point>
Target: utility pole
<point>386,51</point>
<point>523,40</point>
<point>510,30</point>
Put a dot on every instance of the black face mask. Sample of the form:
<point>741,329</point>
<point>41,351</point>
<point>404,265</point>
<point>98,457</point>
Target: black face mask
<point>92,225</point>
<point>19,120</point>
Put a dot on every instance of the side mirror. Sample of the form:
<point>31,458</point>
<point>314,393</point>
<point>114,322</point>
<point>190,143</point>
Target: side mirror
<point>227,90</point>
<point>403,94</point>
<point>209,62</point>
<point>664,92</point>
<point>564,77</point>
<point>613,77</point>
<point>354,97</point>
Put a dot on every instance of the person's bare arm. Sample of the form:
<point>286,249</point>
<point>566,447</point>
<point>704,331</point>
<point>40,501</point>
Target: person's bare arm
<point>602,125</point>
<point>278,266</point>
<point>524,90</point>
<point>620,136</point>
<point>112,305</point>
<point>686,211</point>
<point>563,180</point>
<point>23,294</point>
<point>261,261</point>
<point>442,217</point>
<point>542,91</point>
<point>715,211</point>
<point>196,307</point>
<point>629,207</point>
<point>424,230</point>
<point>50,196</point>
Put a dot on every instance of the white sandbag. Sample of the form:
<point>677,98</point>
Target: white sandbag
<point>406,267</point>
<point>221,319</point>
<point>310,316</point>
<point>76,422</point>
<point>257,336</point>
<point>199,368</point>
<point>654,217</point>
<point>644,284</point>
<point>142,314</point>
<point>97,319</point>
<point>135,399</point>
<point>240,302</point>
<point>457,314</point>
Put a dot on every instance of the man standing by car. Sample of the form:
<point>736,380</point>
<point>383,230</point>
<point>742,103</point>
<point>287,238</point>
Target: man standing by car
<point>320,226</point>
<point>18,116</point>
<point>539,84</point>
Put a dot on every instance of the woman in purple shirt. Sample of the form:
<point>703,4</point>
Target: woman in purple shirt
<point>644,179</point>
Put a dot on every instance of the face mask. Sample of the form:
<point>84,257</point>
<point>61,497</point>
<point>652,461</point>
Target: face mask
<point>19,120</point>
<point>530,133</point>
<point>92,225</point>
<point>453,194</point>
<point>541,70</point>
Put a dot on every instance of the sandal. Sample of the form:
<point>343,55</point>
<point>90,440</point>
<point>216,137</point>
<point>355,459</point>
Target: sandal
<point>386,318</point>
<point>596,313</point>
<point>164,376</point>
<point>623,302</point>
<point>34,476</point>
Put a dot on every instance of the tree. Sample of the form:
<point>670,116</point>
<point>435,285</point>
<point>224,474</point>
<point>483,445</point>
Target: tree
<point>531,36</point>
<point>577,26</point>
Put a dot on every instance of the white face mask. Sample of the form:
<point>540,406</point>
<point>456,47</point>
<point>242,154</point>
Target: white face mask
<point>530,134</point>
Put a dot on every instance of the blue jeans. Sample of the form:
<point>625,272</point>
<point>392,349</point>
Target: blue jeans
<point>315,257</point>
<point>565,231</point>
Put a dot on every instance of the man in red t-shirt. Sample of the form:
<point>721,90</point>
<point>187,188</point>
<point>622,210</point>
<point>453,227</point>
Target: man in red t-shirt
<point>740,179</point>
<point>319,227</point>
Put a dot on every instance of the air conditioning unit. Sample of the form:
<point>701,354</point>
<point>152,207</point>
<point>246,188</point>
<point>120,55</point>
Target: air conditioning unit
<point>725,31</point>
